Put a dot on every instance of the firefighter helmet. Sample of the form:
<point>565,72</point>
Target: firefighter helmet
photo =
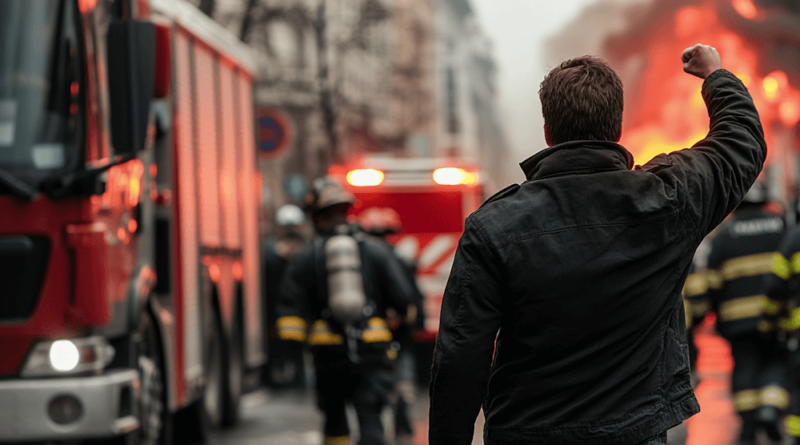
<point>380,221</point>
<point>327,192</point>
<point>289,215</point>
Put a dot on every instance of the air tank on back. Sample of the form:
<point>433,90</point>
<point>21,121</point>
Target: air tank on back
<point>346,297</point>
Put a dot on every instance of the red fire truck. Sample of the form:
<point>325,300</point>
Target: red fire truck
<point>129,269</point>
<point>433,197</point>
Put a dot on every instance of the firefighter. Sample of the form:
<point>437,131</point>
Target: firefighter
<point>696,307</point>
<point>335,295</point>
<point>382,222</point>
<point>285,368</point>
<point>739,261</point>
<point>783,315</point>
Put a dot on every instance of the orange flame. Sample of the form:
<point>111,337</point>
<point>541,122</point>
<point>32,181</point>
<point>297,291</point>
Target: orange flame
<point>670,113</point>
<point>745,8</point>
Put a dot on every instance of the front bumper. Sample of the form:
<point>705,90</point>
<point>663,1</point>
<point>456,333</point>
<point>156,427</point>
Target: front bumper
<point>106,401</point>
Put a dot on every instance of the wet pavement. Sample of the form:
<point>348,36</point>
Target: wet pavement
<point>290,417</point>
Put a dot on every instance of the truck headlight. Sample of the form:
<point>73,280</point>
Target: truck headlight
<point>68,356</point>
<point>64,355</point>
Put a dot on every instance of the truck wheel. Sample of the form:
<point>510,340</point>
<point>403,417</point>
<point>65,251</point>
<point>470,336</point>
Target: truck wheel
<point>154,418</point>
<point>233,376</point>
<point>155,422</point>
<point>216,370</point>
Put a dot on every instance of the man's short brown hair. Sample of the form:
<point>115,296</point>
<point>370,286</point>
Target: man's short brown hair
<point>582,100</point>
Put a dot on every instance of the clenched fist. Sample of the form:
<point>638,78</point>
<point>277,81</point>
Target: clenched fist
<point>700,60</point>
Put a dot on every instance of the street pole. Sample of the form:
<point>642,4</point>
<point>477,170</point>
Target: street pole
<point>325,89</point>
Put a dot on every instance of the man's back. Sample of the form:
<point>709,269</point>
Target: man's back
<point>594,258</point>
<point>577,274</point>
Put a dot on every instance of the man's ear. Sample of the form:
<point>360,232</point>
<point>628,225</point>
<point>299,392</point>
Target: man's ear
<point>547,136</point>
<point>619,136</point>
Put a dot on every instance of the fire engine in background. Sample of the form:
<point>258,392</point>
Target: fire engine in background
<point>128,244</point>
<point>433,198</point>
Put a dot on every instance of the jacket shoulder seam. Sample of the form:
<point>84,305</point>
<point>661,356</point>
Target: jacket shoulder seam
<point>499,195</point>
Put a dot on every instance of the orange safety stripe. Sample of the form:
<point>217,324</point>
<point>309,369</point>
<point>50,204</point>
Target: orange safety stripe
<point>744,307</point>
<point>746,400</point>
<point>781,267</point>
<point>696,284</point>
<point>322,335</point>
<point>336,440</point>
<point>377,331</point>
<point>747,266</point>
<point>775,396</point>
<point>792,323</point>
<point>291,327</point>
<point>792,425</point>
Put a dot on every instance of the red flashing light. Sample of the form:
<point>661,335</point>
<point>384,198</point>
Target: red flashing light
<point>86,5</point>
<point>214,272</point>
<point>364,177</point>
<point>454,176</point>
<point>74,88</point>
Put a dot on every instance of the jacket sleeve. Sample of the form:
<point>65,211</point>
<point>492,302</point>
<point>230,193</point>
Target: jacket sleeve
<point>296,288</point>
<point>714,175</point>
<point>468,326</point>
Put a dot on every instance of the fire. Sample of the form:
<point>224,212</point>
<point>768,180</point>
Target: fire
<point>745,8</point>
<point>664,109</point>
<point>790,114</point>
<point>774,84</point>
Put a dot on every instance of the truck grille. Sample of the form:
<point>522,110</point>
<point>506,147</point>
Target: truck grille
<point>23,263</point>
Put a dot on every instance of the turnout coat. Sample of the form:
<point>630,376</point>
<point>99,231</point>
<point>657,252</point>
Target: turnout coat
<point>563,315</point>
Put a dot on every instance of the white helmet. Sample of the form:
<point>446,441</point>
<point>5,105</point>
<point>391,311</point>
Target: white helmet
<point>289,215</point>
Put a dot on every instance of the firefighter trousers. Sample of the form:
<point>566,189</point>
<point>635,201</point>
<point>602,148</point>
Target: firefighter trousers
<point>366,386</point>
<point>759,383</point>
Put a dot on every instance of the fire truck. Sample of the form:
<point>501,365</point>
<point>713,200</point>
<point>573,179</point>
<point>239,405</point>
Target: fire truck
<point>433,197</point>
<point>129,263</point>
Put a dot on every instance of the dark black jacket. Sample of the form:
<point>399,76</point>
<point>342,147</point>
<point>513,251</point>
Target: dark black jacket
<point>783,292</point>
<point>739,263</point>
<point>303,313</point>
<point>577,274</point>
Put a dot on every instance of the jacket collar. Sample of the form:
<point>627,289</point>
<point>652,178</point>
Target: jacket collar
<point>575,157</point>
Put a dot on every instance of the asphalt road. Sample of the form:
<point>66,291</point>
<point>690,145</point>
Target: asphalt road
<point>290,417</point>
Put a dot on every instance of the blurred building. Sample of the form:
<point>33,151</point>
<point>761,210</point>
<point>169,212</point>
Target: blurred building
<point>411,78</point>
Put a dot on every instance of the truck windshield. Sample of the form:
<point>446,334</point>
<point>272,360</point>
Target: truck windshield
<point>41,85</point>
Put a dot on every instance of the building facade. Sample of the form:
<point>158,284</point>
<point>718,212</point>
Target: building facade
<point>344,78</point>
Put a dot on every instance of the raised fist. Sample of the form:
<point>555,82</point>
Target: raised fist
<point>700,60</point>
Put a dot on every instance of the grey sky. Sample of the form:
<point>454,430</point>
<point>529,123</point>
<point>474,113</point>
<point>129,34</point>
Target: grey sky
<point>518,29</point>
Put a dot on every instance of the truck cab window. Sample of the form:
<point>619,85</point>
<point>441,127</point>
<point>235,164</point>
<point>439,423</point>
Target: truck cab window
<point>41,89</point>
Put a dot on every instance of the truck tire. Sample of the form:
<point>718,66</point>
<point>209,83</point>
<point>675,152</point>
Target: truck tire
<point>154,418</point>
<point>234,374</point>
<point>216,369</point>
<point>155,422</point>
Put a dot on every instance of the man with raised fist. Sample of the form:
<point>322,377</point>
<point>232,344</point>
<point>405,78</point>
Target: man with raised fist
<point>563,317</point>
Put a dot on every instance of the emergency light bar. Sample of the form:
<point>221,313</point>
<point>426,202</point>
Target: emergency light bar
<point>454,176</point>
<point>364,177</point>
